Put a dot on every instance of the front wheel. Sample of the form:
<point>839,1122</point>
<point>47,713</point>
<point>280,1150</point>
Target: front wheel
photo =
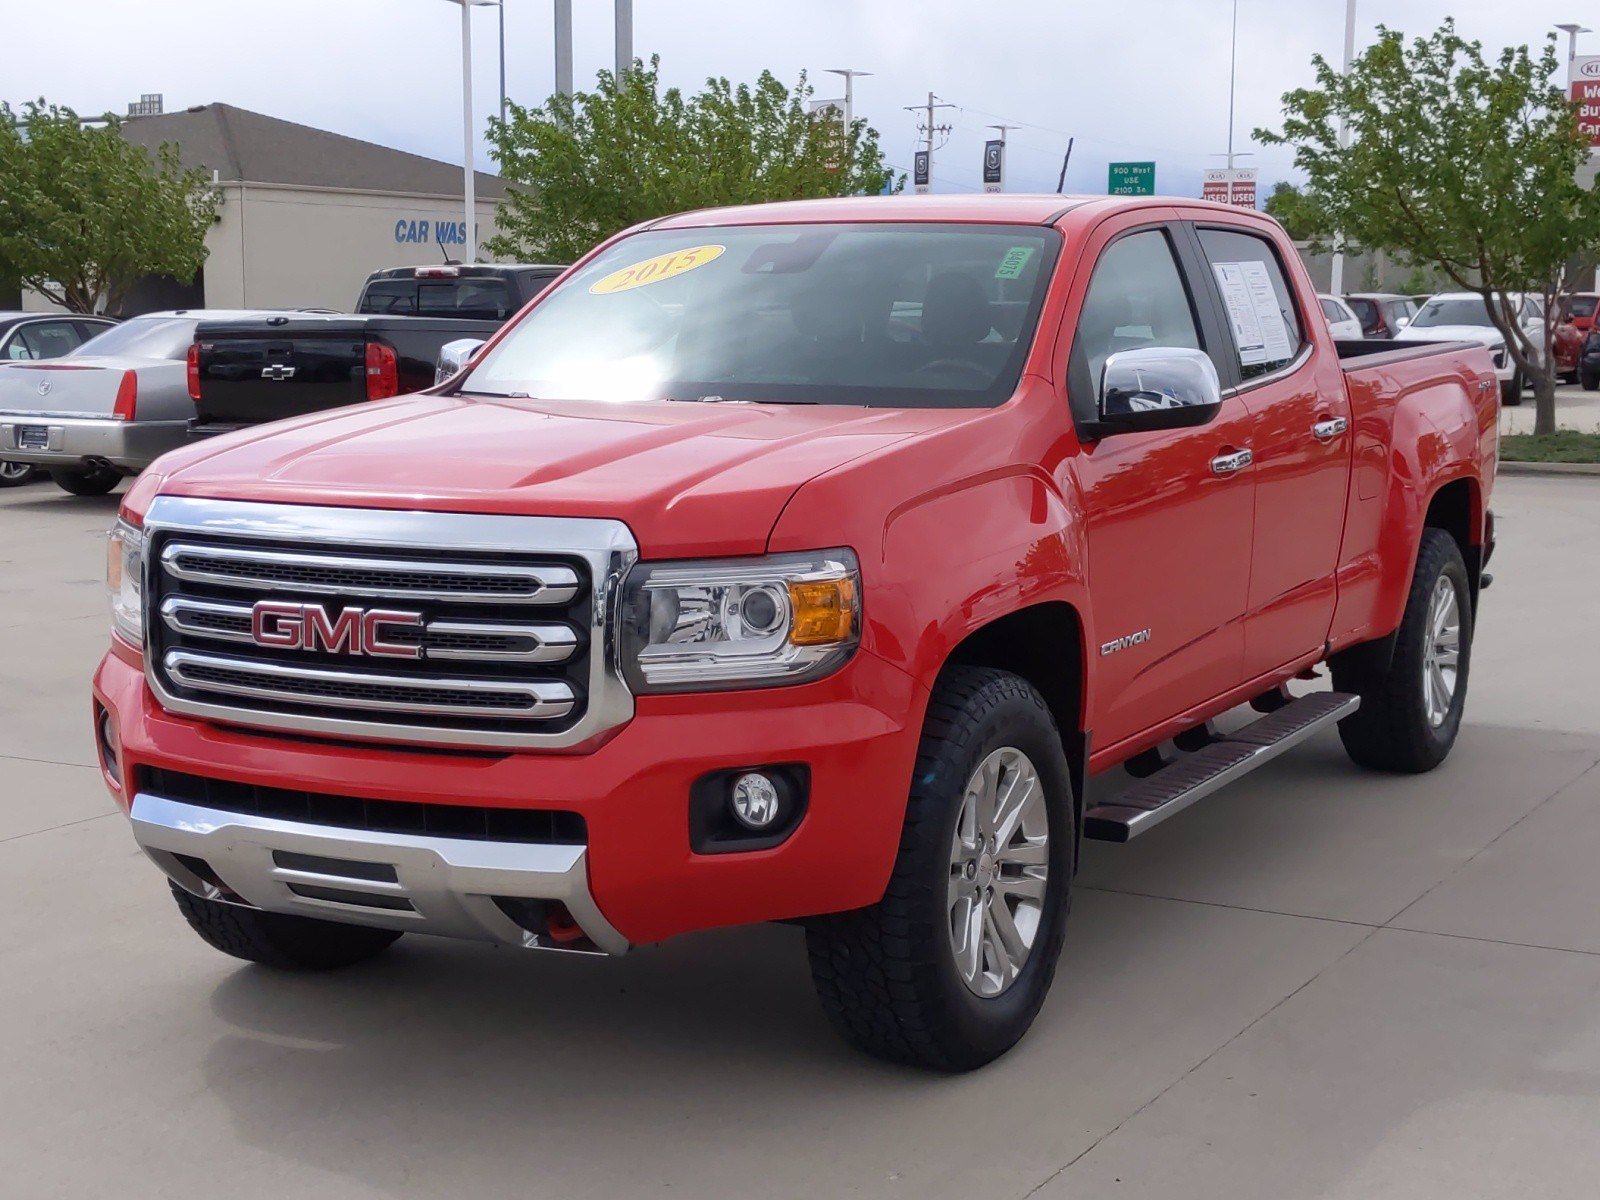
<point>1411,707</point>
<point>280,940</point>
<point>15,474</point>
<point>950,968</point>
<point>86,481</point>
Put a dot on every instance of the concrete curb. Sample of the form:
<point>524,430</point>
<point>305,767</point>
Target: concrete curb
<point>1553,468</point>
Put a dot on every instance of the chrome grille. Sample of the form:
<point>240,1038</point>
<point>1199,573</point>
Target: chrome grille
<point>502,637</point>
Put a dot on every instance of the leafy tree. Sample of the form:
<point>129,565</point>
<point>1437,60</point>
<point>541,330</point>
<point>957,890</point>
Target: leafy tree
<point>585,166</point>
<point>85,213</point>
<point>1288,204</point>
<point>1456,163</point>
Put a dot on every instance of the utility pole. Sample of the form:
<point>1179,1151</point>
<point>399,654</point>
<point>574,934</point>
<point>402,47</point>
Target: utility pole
<point>563,34</point>
<point>927,127</point>
<point>850,76</point>
<point>1336,273</point>
<point>1233,80</point>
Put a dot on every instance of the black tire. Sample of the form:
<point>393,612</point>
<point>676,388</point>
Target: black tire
<point>887,975</point>
<point>1511,389</point>
<point>1391,730</point>
<point>279,940</point>
<point>1589,382</point>
<point>15,474</point>
<point>86,481</point>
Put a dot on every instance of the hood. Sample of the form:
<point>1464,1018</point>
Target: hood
<point>686,478</point>
<point>1484,335</point>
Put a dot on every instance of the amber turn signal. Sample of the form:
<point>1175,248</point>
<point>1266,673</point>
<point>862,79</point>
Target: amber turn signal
<point>824,611</point>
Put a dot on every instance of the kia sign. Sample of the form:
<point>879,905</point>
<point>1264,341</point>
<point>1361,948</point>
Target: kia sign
<point>1236,186</point>
<point>1131,179</point>
<point>994,166</point>
<point>919,170</point>
<point>1586,95</point>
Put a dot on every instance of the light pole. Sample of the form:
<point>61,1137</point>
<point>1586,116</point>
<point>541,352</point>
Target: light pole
<point>468,176</point>
<point>1336,270</point>
<point>1572,31</point>
<point>850,77</point>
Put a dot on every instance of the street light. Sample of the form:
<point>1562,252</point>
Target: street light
<point>850,77</point>
<point>1572,31</point>
<point>1336,271</point>
<point>468,175</point>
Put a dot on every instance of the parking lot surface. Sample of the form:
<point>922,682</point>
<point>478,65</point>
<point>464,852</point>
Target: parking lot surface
<point>1320,983</point>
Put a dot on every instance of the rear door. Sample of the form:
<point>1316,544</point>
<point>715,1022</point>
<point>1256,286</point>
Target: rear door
<point>1299,436</point>
<point>1168,535</point>
<point>275,367</point>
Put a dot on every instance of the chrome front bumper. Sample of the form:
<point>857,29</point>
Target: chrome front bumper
<point>131,445</point>
<point>411,882</point>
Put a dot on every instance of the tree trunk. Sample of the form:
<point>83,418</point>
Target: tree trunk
<point>1544,401</point>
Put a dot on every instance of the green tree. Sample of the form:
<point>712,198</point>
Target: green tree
<point>84,213</point>
<point>585,166</point>
<point>1288,204</point>
<point>1456,163</point>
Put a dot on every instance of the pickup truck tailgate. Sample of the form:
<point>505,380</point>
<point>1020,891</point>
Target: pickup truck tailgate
<point>250,373</point>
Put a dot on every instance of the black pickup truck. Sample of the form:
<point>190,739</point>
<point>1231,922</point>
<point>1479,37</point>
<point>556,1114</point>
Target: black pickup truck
<point>247,372</point>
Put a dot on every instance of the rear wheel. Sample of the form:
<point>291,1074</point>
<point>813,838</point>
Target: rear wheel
<point>950,968</point>
<point>1511,389</point>
<point>15,474</point>
<point>86,481</point>
<point>277,939</point>
<point>1590,380</point>
<point>1411,707</point>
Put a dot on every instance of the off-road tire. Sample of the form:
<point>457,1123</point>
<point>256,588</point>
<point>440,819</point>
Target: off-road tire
<point>86,481</point>
<point>277,939</point>
<point>886,975</point>
<point>1390,731</point>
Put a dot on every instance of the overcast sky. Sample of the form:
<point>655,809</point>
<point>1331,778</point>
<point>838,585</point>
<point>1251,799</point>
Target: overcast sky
<point>1131,79</point>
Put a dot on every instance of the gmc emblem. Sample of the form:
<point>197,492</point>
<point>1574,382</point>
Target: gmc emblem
<point>285,625</point>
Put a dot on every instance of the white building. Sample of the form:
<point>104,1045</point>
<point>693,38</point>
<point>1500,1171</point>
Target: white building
<point>306,214</point>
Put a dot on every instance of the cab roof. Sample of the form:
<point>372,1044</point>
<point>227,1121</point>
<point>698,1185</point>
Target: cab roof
<point>1007,208</point>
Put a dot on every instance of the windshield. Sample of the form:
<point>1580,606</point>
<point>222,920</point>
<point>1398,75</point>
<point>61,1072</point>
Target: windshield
<point>143,337</point>
<point>1453,310</point>
<point>883,315</point>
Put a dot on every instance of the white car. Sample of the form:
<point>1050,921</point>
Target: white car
<point>1342,320</point>
<point>1464,317</point>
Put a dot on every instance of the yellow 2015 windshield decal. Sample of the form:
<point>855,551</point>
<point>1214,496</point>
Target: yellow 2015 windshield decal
<point>654,270</point>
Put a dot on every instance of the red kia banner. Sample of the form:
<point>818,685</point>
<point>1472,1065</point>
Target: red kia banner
<point>1586,95</point>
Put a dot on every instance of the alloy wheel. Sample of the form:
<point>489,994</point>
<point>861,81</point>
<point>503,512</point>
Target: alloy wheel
<point>1441,652</point>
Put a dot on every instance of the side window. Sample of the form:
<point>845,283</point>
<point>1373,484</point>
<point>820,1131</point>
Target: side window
<point>52,339</point>
<point>1331,311</point>
<point>1137,297</point>
<point>1267,331</point>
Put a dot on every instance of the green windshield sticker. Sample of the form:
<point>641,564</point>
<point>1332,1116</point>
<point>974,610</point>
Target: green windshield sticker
<point>1011,265</point>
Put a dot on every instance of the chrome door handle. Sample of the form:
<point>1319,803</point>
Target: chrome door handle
<point>1326,431</point>
<point>1230,464</point>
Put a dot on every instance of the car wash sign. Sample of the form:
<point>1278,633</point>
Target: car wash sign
<point>427,232</point>
<point>1586,95</point>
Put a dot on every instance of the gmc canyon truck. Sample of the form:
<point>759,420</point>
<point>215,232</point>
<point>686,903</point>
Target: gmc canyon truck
<point>800,563</point>
<point>256,369</point>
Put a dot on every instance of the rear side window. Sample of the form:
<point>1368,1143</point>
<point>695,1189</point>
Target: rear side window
<point>389,296</point>
<point>1332,311</point>
<point>1267,331</point>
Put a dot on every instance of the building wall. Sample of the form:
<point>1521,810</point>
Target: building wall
<point>279,247</point>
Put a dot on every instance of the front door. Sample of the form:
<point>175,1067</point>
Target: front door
<point>1167,529</point>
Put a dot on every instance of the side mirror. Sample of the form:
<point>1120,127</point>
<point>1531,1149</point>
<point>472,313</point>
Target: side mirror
<point>1157,387</point>
<point>453,356</point>
<point>1402,322</point>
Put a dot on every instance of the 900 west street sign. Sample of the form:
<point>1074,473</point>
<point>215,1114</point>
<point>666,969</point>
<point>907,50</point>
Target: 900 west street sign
<point>1132,179</point>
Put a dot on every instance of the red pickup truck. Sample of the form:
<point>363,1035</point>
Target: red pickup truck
<point>800,563</point>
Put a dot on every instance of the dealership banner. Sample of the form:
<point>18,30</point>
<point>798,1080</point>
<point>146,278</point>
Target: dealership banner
<point>919,170</point>
<point>994,166</point>
<point>1586,95</point>
<point>1236,186</point>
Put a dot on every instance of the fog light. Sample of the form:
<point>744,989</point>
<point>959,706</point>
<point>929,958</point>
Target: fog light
<point>110,758</point>
<point>754,800</point>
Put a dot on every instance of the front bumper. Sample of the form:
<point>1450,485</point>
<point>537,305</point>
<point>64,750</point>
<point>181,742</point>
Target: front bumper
<point>855,731</point>
<point>71,441</point>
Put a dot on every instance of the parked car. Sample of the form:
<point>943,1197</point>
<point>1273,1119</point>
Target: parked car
<point>1464,317</point>
<point>722,589</point>
<point>29,337</point>
<point>248,371</point>
<point>1382,314</point>
<point>1589,363</point>
<point>105,410</point>
<point>1572,332</point>
<point>1342,322</point>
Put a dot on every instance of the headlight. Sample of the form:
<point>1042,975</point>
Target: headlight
<point>745,622</point>
<point>125,581</point>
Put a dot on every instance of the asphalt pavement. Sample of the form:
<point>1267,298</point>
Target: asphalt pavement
<point>1320,983</point>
